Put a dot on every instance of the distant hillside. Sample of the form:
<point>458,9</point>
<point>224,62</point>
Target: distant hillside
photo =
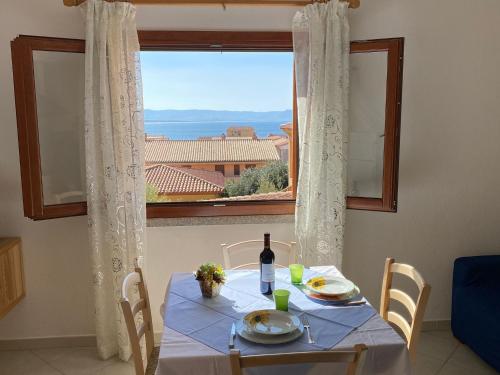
<point>208,115</point>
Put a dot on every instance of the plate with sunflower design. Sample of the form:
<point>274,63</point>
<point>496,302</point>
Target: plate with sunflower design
<point>330,286</point>
<point>271,322</point>
<point>241,329</point>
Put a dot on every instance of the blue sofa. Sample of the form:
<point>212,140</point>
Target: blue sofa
<point>475,316</point>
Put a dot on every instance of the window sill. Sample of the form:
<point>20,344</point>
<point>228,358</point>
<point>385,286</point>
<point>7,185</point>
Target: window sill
<point>220,220</point>
<point>211,209</point>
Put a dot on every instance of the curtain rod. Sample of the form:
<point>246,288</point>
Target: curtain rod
<point>352,3</point>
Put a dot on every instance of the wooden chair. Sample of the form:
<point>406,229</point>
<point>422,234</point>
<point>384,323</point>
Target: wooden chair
<point>354,358</point>
<point>255,247</point>
<point>145,328</point>
<point>410,330</point>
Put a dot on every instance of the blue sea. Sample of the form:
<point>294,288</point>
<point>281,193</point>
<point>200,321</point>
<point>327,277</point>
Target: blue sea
<point>193,130</point>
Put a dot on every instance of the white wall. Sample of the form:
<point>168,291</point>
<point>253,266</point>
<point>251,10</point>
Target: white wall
<point>449,180</point>
<point>58,300</point>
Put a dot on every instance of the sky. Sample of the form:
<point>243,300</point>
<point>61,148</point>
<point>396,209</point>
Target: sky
<point>235,81</point>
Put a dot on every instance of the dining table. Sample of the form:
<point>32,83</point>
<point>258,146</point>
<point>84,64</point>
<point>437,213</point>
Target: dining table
<point>196,329</point>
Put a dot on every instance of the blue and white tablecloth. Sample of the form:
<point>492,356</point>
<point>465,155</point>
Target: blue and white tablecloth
<point>196,332</point>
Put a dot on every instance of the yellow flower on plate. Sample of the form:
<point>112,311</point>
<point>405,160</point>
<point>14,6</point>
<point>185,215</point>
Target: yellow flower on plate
<point>256,318</point>
<point>317,282</point>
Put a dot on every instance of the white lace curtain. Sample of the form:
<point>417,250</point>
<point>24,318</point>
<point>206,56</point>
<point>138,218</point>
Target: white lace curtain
<point>321,49</point>
<point>114,142</point>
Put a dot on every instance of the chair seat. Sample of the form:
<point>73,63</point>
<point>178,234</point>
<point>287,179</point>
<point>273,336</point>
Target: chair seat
<point>153,361</point>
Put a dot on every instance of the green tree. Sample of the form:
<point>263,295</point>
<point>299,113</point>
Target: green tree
<point>266,186</point>
<point>276,173</point>
<point>272,177</point>
<point>153,196</point>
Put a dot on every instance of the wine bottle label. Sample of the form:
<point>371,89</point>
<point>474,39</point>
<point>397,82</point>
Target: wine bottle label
<point>267,273</point>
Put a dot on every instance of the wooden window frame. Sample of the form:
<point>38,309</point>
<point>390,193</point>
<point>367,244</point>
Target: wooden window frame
<point>394,85</point>
<point>24,83</point>
<point>22,49</point>
<point>219,41</point>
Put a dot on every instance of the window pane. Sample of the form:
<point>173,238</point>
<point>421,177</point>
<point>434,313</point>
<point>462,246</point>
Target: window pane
<point>226,115</point>
<point>60,87</point>
<point>367,124</point>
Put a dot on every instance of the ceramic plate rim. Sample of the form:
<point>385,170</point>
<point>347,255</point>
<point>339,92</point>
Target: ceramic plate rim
<point>294,320</point>
<point>326,298</point>
<point>329,278</point>
<point>268,339</point>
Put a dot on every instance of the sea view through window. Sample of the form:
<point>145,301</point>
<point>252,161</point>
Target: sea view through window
<point>218,125</point>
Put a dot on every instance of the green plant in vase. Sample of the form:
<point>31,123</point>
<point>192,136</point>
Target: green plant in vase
<point>211,277</point>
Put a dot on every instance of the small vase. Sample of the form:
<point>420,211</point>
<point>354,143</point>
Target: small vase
<point>209,289</point>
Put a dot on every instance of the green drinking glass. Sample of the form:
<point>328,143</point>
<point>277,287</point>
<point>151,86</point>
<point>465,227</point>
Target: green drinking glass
<point>296,273</point>
<point>281,297</point>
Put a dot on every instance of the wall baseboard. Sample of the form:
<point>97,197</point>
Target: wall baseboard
<point>90,340</point>
<point>56,342</point>
<point>48,342</point>
<point>436,325</point>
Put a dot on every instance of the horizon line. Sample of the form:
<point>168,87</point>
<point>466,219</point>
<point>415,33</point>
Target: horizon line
<point>218,110</point>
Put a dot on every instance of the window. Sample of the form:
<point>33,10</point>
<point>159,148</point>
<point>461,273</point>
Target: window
<point>49,105</point>
<point>375,115</point>
<point>220,168</point>
<point>50,124</point>
<point>220,107</point>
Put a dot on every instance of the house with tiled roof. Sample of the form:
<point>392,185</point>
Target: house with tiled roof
<point>227,156</point>
<point>241,132</point>
<point>181,184</point>
<point>281,142</point>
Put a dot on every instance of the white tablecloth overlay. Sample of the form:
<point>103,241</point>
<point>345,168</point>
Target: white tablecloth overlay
<point>387,353</point>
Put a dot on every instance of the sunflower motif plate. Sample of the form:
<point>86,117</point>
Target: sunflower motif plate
<point>330,286</point>
<point>271,322</point>
<point>241,329</point>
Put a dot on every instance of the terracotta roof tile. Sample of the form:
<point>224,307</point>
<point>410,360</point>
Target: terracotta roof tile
<point>211,151</point>
<point>287,126</point>
<point>174,180</point>
<point>280,142</point>
<point>213,177</point>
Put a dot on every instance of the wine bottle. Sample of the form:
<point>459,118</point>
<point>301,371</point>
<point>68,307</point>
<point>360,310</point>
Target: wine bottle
<point>267,267</point>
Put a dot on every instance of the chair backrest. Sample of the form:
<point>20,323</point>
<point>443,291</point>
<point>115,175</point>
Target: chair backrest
<point>353,358</point>
<point>130,311</point>
<point>255,247</point>
<point>410,330</point>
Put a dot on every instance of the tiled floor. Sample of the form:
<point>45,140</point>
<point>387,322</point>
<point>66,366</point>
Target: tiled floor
<point>439,354</point>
